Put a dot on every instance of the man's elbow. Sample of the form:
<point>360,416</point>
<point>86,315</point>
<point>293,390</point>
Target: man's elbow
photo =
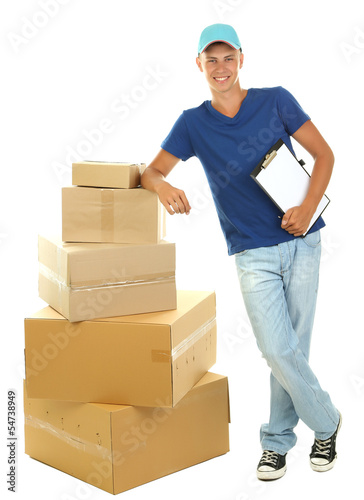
<point>330,156</point>
<point>144,178</point>
<point>327,155</point>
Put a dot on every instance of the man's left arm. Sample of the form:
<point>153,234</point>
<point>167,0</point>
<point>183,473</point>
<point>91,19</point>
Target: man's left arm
<point>297,219</point>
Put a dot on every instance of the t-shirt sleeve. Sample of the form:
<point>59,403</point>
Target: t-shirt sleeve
<point>178,141</point>
<point>291,113</point>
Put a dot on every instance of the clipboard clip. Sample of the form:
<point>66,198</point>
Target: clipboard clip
<point>268,158</point>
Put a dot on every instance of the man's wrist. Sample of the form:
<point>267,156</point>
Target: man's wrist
<point>310,206</point>
<point>158,185</point>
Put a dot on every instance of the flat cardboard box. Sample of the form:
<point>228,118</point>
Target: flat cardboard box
<point>117,448</point>
<point>97,280</point>
<point>96,215</point>
<point>107,174</point>
<point>144,360</point>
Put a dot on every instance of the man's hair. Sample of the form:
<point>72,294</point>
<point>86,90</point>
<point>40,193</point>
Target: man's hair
<point>218,43</point>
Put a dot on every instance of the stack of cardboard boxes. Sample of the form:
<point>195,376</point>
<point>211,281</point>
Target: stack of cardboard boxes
<point>117,389</point>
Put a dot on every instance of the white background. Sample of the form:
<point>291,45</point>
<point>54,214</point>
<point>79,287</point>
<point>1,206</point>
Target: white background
<point>64,73</point>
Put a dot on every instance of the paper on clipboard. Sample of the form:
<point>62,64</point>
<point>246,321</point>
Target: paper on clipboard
<point>285,181</point>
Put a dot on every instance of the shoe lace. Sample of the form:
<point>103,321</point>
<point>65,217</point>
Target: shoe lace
<point>322,447</point>
<point>269,457</point>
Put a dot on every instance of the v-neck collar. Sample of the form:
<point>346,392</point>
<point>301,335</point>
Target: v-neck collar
<point>225,118</point>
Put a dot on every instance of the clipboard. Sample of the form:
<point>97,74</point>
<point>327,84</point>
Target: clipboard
<point>284,179</point>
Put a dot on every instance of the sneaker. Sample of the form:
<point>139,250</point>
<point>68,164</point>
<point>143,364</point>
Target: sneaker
<point>271,466</point>
<point>323,455</point>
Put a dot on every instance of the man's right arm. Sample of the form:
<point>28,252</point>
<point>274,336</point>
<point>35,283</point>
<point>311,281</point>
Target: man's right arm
<point>153,179</point>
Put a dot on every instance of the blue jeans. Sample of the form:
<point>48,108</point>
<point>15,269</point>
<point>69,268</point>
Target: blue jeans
<point>279,286</point>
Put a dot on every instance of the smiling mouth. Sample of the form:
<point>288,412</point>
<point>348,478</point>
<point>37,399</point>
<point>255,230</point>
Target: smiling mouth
<point>221,79</point>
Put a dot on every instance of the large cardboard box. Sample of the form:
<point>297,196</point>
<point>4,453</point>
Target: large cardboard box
<point>111,215</point>
<point>97,280</point>
<point>107,174</point>
<point>144,360</point>
<point>119,447</point>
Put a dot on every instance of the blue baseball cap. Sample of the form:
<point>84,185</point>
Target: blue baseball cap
<point>218,33</point>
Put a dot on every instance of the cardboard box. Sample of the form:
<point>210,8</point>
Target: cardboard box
<point>144,360</point>
<point>117,448</point>
<point>106,174</point>
<point>111,215</point>
<point>97,280</point>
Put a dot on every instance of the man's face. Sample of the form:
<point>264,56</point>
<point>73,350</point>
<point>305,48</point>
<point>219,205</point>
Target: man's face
<point>221,64</point>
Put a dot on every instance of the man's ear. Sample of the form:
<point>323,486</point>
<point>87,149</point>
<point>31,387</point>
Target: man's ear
<point>241,60</point>
<point>198,62</point>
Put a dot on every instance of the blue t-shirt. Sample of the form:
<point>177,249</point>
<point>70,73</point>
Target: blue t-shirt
<point>229,149</point>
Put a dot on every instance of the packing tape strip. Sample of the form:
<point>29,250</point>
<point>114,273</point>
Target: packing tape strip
<point>165,356</point>
<point>170,279</point>
<point>71,440</point>
<point>54,278</point>
<point>163,220</point>
<point>194,337</point>
<point>107,214</point>
<point>59,272</point>
<point>151,281</point>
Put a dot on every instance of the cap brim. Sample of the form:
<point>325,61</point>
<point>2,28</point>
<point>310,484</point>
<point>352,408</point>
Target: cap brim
<point>231,44</point>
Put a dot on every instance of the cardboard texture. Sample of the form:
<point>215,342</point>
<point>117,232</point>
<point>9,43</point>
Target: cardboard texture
<point>107,174</point>
<point>117,448</point>
<point>145,360</point>
<point>83,281</point>
<point>92,214</point>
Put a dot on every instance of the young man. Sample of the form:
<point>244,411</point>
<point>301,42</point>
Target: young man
<point>278,269</point>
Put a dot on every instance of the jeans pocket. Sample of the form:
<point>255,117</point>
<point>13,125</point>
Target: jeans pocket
<point>312,240</point>
<point>241,254</point>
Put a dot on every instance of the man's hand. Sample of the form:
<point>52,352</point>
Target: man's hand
<point>296,220</point>
<point>174,200</point>
<point>153,178</point>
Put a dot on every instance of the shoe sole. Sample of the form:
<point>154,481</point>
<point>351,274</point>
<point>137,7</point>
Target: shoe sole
<point>271,476</point>
<point>329,466</point>
<point>323,468</point>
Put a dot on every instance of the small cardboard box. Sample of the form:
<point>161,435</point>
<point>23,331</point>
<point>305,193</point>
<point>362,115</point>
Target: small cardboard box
<point>117,448</point>
<point>106,174</point>
<point>97,280</point>
<point>144,360</point>
<point>92,214</point>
